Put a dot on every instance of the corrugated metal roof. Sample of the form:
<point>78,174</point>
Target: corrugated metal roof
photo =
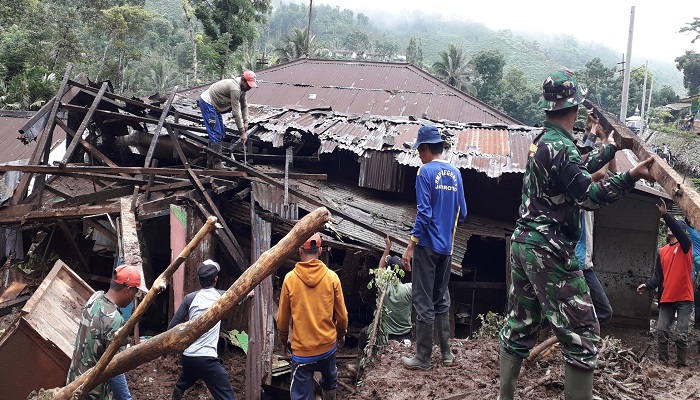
<point>377,88</point>
<point>13,149</point>
<point>493,150</point>
<point>392,216</point>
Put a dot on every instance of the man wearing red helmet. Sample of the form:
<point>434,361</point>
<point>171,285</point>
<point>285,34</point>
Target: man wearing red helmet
<point>221,97</point>
<point>100,320</point>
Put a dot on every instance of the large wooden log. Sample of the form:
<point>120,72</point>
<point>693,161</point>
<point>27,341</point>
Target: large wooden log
<point>179,338</point>
<point>683,194</point>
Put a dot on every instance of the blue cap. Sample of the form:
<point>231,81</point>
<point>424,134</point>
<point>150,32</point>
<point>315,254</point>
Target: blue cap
<point>393,260</point>
<point>427,134</point>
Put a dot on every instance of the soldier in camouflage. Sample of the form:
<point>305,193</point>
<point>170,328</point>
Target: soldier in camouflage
<point>99,323</point>
<point>547,283</point>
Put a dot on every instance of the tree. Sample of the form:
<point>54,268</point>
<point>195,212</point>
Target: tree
<point>602,84</point>
<point>357,41</point>
<point>518,99</point>
<point>123,27</point>
<point>452,69</point>
<point>665,95</point>
<point>293,46</point>
<point>489,65</point>
<point>237,19</point>
<point>689,64</point>
<point>692,27</point>
<point>414,52</point>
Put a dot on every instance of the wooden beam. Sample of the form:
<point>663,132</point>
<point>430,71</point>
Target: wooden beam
<point>97,197</point>
<point>156,133</point>
<point>71,243</point>
<point>58,192</point>
<point>22,214</point>
<point>230,242</point>
<point>42,140</point>
<point>160,172</point>
<point>7,306</point>
<point>86,120</point>
<point>89,147</point>
<point>683,194</point>
<point>129,236</point>
<point>96,225</point>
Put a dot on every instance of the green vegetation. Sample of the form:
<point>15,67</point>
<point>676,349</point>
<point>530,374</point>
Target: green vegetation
<point>144,46</point>
<point>491,325</point>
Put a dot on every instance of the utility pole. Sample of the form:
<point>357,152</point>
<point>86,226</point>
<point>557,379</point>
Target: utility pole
<point>651,91</point>
<point>308,28</point>
<point>628,64</point>
<point>644,95</point>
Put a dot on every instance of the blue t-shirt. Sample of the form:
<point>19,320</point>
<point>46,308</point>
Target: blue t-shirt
<point>440,205</point>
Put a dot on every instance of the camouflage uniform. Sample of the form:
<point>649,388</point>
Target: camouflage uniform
<point>547,282</point>
<point>99,323</point>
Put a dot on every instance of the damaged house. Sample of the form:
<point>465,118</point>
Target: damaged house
<point>130,187</point>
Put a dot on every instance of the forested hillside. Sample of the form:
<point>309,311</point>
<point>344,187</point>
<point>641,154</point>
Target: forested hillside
<point>145,46</point>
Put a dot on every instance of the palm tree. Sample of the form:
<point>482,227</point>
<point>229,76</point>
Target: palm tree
<point>453,69</point>
<point>293,46</point>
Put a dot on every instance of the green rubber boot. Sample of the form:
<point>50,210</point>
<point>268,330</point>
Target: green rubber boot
<point>424,348</point>
<point>510,369</point>
<point>442,324</point>
<point>578,384</point>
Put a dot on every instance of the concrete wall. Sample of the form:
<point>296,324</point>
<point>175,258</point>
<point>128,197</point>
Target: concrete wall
<point>624,252</point>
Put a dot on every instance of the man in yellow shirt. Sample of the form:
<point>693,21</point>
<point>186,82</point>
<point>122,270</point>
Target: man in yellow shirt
<point>312,302</point>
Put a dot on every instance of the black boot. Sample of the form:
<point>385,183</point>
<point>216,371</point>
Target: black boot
<point>177,394</point>
<point>578,384</point>
<point>510,369</point>
<point>328,394</point>
<point>424,348</point>
<point>442,324</point>
<point>681,354</point>
<point>663,349</point>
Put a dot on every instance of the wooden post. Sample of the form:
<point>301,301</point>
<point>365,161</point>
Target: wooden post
<point>83,125</point>
<point>683,194</point>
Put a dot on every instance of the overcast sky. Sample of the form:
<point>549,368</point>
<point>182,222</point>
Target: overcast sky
<point>656,22</point>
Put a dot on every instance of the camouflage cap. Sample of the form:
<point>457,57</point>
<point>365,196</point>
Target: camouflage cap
<point>562,90</point>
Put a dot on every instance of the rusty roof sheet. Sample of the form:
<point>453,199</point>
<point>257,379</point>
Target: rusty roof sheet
<point>13,149</point>
<point>366,87</point>
<point>492,149</point>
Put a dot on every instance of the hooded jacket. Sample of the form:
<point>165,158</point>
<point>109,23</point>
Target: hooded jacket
<point>312,301</point>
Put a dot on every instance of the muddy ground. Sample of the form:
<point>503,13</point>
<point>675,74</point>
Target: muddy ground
<point>628,370</point>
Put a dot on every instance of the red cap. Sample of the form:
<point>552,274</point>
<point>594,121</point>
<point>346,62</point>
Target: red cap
<point>129,275</point>
<point>313,243</point>
<point>249,77</point>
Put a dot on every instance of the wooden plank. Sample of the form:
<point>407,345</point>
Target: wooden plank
<point>12,291</point>
<point>683,194</point>
<point>6,307</point>
<point>158,172</point>
<point>86,120</point>
<point>58,192</point>
<point>15,215</point>
<point>42,140</point>
<point>96,197</point>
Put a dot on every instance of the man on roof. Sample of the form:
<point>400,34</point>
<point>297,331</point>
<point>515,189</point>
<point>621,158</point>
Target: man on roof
<point>221,97</point>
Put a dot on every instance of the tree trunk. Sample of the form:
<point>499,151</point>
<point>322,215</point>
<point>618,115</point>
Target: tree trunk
<point>179,338</point>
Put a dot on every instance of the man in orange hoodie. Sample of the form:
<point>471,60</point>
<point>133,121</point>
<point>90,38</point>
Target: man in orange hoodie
<point>312,302</point>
